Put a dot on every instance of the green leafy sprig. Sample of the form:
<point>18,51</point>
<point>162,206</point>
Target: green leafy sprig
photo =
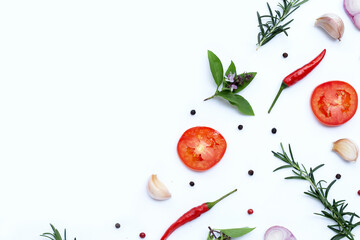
<point>55,235</point>
<point>231,84</point>
<point>272,24</point>
<point>227,234</point>
<point>334,210</point>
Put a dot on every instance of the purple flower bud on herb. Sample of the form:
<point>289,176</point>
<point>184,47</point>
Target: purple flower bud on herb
<point>233,86</point>
<point>230,77</point>
<point>240,80</point>
<point>248,76</point>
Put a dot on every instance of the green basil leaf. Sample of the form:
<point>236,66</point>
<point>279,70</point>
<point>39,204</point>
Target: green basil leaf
<point>216,68</point>
<point>231,69</point>
<point>241,103</point>
<point>245,82</point>
<point>210,237</point>
<point>236,232</point>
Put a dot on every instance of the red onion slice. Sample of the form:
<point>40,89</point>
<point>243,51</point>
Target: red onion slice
<point>278,233</point>
<point>352,8</point>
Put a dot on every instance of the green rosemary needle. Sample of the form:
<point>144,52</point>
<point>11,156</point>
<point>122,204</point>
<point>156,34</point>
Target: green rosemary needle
<point>333,210</point>
<point>55,235</point>
<point>272,24</point>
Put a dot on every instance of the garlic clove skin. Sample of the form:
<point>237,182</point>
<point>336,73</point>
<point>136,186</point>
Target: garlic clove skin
<point>156,189</point>
<point>352,8</point>
<point>332,24</point>
<point>346,149</point>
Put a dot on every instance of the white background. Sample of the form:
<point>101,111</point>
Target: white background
<point>94,96</point>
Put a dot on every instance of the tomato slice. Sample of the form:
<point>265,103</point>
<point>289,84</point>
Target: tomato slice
<point>200,148</point>
<point>334,102</point>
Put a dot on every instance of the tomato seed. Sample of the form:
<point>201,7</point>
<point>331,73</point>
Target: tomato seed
<point>250,211</point>
<point>285,55</point>
<point>142,235</point>
<point>117,225</point>
<point>338,176</point>
<point>273,130</point>
<point>193,112</point>
<point>191,183</point>
<point>240,127</point>
<point>251,172</point>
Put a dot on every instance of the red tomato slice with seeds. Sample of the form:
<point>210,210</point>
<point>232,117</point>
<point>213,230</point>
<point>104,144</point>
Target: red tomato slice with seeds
<point>201,148</point>
<point>334,102</point>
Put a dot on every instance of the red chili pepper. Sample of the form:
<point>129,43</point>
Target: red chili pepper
<point>192,214</point>
<point>297,75</point>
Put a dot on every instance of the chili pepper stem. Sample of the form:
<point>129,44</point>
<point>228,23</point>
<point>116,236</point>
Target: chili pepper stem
<point>282,87</point>
<point>211,204</point>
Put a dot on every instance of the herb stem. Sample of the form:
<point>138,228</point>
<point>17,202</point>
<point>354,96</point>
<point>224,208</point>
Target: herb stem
<point>322,199</point>
<point>272,24</point>
<point>270,32</point>
<point>210,97</point>
<point>334,211</point>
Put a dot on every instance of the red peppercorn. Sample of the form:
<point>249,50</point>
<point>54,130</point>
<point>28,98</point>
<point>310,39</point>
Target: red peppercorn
<point>142,235</point>
<point>250,211</point>
<point>359,192</point>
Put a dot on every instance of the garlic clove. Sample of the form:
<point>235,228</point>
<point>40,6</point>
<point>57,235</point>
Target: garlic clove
<point>156,189</point>
<point>346,148</point>
<point>332,24</point>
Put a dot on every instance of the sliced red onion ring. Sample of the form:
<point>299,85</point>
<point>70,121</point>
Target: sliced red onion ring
<point>352,8</point>
<point>278,233</point>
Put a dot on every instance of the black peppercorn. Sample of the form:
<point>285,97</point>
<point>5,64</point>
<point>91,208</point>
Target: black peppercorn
<point>191,183</point>
<point>251,172</point>
<point>193,112</point>
<point>338,176</point>
<point>117,225</point>
<point>240,127</point>
<point>285,55</point>
<point>273,130</point>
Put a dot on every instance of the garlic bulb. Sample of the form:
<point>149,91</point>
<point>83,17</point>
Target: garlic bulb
<point>332,24</point>
<point>352,8</point>
<point>156,189</point>
<point>346,149</point>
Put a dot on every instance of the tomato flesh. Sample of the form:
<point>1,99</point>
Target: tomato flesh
<point>334,103</point>
<point>201,148</point>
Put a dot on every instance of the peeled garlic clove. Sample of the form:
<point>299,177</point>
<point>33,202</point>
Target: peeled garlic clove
<point>352,8</point>
<point>346,149</point>
<point>332,24</point>
<point>156,189</point>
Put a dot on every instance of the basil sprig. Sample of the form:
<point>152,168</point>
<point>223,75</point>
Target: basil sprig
<point>227,234</point>
<point>230,83</point>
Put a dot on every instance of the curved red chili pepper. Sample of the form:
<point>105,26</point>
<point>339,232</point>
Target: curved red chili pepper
<point>192,214</point>
<point>297,75</point>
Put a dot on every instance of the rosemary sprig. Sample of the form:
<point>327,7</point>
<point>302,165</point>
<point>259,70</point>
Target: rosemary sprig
<point>55,235</point>
<point>334,210</point>
<point>271,25</point>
